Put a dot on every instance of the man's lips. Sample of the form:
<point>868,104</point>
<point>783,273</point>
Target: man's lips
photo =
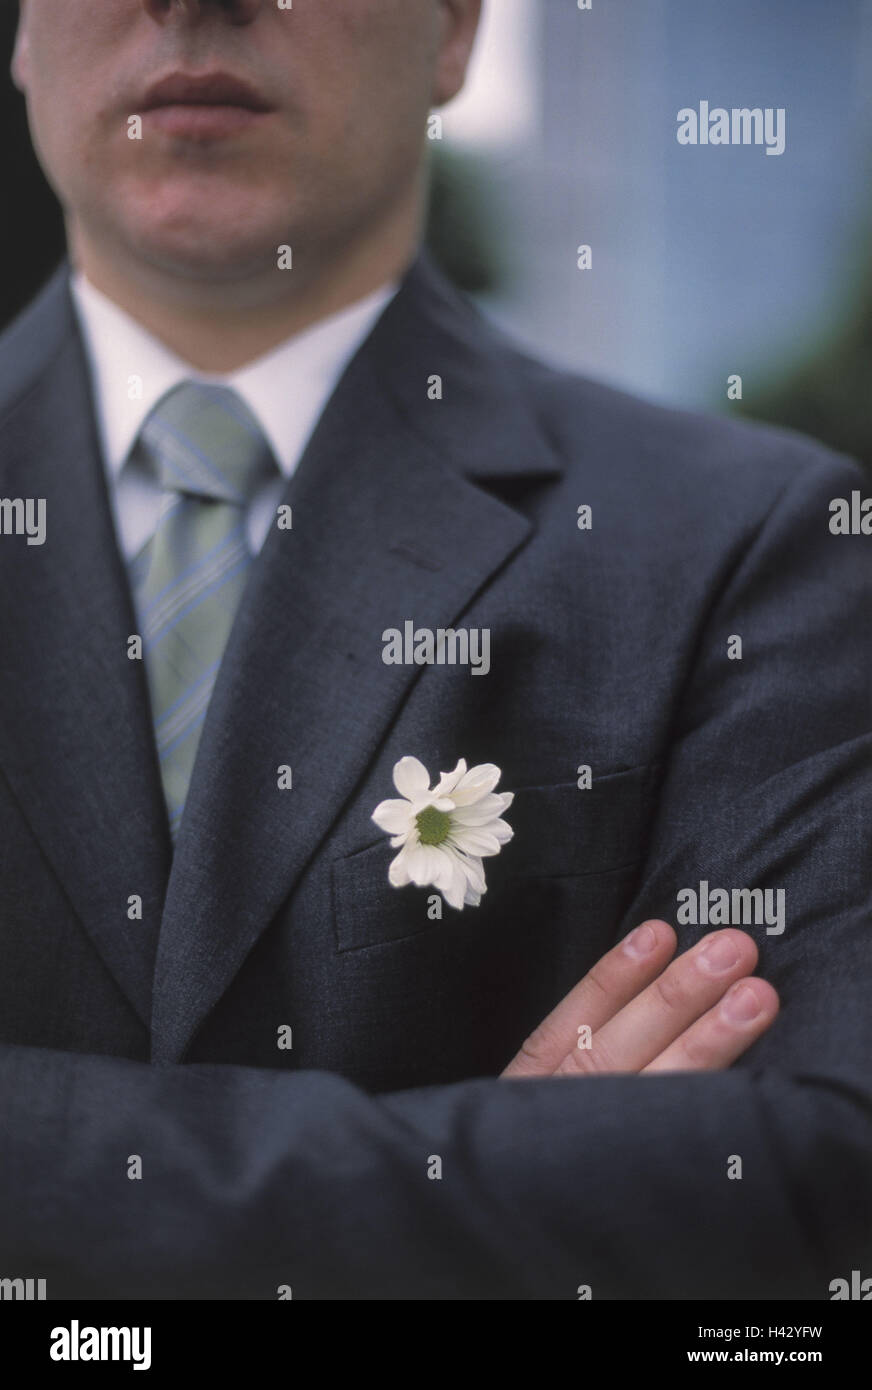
<point>205,106</point>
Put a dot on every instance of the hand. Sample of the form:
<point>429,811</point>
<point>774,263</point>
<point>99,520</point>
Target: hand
<point>699,1014</point>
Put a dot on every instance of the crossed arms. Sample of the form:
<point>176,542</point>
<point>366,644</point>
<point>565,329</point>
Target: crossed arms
<point>614,1180</point>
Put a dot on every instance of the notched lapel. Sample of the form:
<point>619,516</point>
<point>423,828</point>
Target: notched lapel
<point>386,527</point>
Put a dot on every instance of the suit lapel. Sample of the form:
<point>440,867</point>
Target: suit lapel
<point>75,735</point>
<point>385,527</point>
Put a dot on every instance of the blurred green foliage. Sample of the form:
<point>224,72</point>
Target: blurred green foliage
<point>827,393</point>
<point>462,226</point>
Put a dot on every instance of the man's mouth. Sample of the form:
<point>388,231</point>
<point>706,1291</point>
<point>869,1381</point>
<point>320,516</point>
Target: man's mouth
<point>203,106</point>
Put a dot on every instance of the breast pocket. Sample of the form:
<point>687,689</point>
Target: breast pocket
<point>560,832</point>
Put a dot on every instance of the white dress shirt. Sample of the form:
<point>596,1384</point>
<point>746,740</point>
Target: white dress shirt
<point>286,390</point>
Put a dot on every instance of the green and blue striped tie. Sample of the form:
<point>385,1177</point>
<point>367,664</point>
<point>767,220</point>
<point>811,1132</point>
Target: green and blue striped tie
<point>210,456</point>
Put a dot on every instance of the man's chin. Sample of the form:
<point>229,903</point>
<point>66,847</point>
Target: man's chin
<point>207,254</point>
<point>214,265</point>
<point>202,234</point>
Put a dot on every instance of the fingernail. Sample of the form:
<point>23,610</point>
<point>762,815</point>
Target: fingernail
<point>640,942</point>
<point>741,1005</point>
<point>719,956</point>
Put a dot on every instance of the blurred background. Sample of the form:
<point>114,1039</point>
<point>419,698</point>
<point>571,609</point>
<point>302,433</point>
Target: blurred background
<point>707,261</point>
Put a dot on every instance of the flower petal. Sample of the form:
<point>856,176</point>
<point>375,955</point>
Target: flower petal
<point>478,841</point>
<point>501,830</point>
<point>394,817</point>
<point>452,880</point>
<point>398,872</point>
<point>455,890</point>
<point>425,864</point>
<point>480,812</point>
<point>448,780</point>
<point>411,778</point>
<point>474,872</point>
<point>478,782</point>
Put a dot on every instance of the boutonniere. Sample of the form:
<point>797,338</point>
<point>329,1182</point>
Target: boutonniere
<point>443,833</point>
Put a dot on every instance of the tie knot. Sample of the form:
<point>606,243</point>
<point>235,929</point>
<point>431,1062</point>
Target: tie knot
<point>204,440</point>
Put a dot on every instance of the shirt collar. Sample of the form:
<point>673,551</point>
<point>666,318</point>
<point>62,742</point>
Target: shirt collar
<point>286,389</point>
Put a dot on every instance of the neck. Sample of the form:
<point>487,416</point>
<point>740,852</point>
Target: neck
<point>220,327</point>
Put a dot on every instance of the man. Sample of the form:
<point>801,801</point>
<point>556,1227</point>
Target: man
<point>267,438</point>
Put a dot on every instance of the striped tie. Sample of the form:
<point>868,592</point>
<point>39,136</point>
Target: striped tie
<point>209,455</point>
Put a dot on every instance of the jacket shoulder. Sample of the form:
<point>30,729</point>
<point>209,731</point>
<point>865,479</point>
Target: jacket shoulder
<point>29,343</point>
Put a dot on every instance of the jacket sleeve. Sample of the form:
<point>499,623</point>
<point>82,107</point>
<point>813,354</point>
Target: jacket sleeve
<point>252,1181</point>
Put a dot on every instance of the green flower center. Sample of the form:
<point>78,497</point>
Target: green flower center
<point>433,825</point>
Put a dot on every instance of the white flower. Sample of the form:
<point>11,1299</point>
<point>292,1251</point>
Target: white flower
<point>444,834</point>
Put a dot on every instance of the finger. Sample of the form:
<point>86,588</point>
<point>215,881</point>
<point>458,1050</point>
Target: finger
<point>747,1009</point>
<point>615,979</point>
<point>646,1026</point>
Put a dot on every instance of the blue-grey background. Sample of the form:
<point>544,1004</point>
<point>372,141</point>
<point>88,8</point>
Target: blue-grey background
<point>706,260</point>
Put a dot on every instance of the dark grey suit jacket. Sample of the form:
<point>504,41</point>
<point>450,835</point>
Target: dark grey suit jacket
<point>309,1166</point>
